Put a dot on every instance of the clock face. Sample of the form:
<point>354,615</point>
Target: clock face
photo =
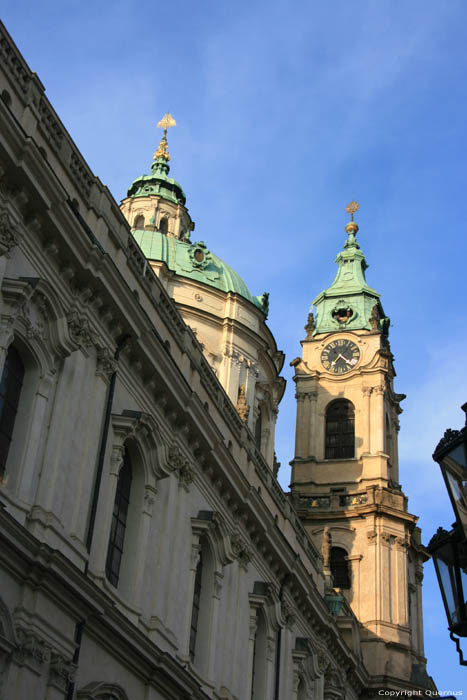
<point>340,356</point>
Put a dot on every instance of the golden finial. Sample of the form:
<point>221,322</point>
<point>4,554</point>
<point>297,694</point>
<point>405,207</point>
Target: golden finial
<point>165,123</point>
<point>351,208</point>
<point>351,228</point>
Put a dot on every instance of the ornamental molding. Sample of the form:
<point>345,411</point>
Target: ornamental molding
<point>33,308</point>
<point>142,429</point>
<point>200,256</point>
<point>100,690</point>
<point>211,525</point>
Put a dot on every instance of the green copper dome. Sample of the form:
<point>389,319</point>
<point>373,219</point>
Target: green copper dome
<point>158,183</point>
<point>194,261</point>
<point>349,303</point>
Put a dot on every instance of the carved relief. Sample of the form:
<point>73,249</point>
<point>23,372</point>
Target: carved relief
<point>116,459</point>
<point>106,364</point>
<point>241,550</point>
<point>326,547</point>
<point>61,671</point>
<point>31,650</point>
<point>242,407</point>
<point>9,237</point>
<point>80,329</point>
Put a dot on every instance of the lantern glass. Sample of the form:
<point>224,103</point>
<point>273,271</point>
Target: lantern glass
<point>453,584</point>
<point>454,468</point>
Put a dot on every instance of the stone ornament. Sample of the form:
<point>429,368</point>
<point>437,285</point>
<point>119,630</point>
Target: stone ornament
<point>61,671</point>
<point>80,329</point>
<point>242,407</point>
<point>31,649</point>
<point>9,237</point>
<point>310,326</point>
<point>106,364</point>
<point>101,691</point>
<point>241,550</point>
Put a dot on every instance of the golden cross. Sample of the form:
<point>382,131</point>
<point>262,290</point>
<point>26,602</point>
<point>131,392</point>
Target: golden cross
<point>351,208</point>
<point>166,122</point>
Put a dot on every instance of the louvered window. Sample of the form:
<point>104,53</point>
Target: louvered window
<point>340,567</point>
<point>340,430</point>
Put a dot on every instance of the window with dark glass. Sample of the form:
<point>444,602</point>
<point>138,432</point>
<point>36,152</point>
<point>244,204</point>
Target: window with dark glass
<point>196,606</point>
<point>340,568</point>
<point>164,225</point>
<point>10,390</point>
<point>118,526</point>
<point>340,430</point>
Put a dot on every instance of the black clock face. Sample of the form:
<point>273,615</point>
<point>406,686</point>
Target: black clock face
<point>340,356</point>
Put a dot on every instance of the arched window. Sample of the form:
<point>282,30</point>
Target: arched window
<point>258,673</point>
<point>196,606</point>
<point>119,522</point>
<point>163,225</point>
<point>10,390</point>
<point>139,222</point>
<point>201,631</point>
<point>340,567</point>
<point>340,430</point>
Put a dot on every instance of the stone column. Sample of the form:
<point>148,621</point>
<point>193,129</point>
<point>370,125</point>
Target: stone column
<point>366,419</point>
<point>300,433</point>
<point>312,397</point>
<point>213,622</point>
<point>401,590</point>
<point>418,582</point>
<point>377,420</point>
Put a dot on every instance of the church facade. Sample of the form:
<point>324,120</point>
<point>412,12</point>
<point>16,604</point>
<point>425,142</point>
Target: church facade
<point>147,549</point>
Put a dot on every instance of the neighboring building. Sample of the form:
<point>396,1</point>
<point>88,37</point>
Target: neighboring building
<point>147,550</point>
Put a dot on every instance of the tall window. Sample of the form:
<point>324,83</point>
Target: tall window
<point>196,606</point>
<point>340,567</point>
<point>340,430</point>
<point>119,521</point>
<point>10,390</point>
<point>139,222</point>
<point>163,225</point>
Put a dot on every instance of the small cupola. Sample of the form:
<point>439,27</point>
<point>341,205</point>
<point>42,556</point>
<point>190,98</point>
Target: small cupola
<point>349,303</point>
<point>156,202</point>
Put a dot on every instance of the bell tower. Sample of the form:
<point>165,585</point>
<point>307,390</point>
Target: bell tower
<point>345,472</point>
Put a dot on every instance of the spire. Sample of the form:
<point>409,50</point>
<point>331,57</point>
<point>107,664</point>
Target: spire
<point>165,123</point>
<point>158,183</point>
<point>349,302</point>
<point>352,227</point>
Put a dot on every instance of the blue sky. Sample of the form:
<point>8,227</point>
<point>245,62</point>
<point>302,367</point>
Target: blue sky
<point>287,111</point>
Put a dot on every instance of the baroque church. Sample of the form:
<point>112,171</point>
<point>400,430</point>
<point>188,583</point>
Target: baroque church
<point>148,551</point>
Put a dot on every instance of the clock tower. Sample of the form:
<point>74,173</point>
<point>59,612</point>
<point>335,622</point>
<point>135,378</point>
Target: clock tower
<point>345,472</point>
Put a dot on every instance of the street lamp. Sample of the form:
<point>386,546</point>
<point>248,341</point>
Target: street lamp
<point>449,549</point>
